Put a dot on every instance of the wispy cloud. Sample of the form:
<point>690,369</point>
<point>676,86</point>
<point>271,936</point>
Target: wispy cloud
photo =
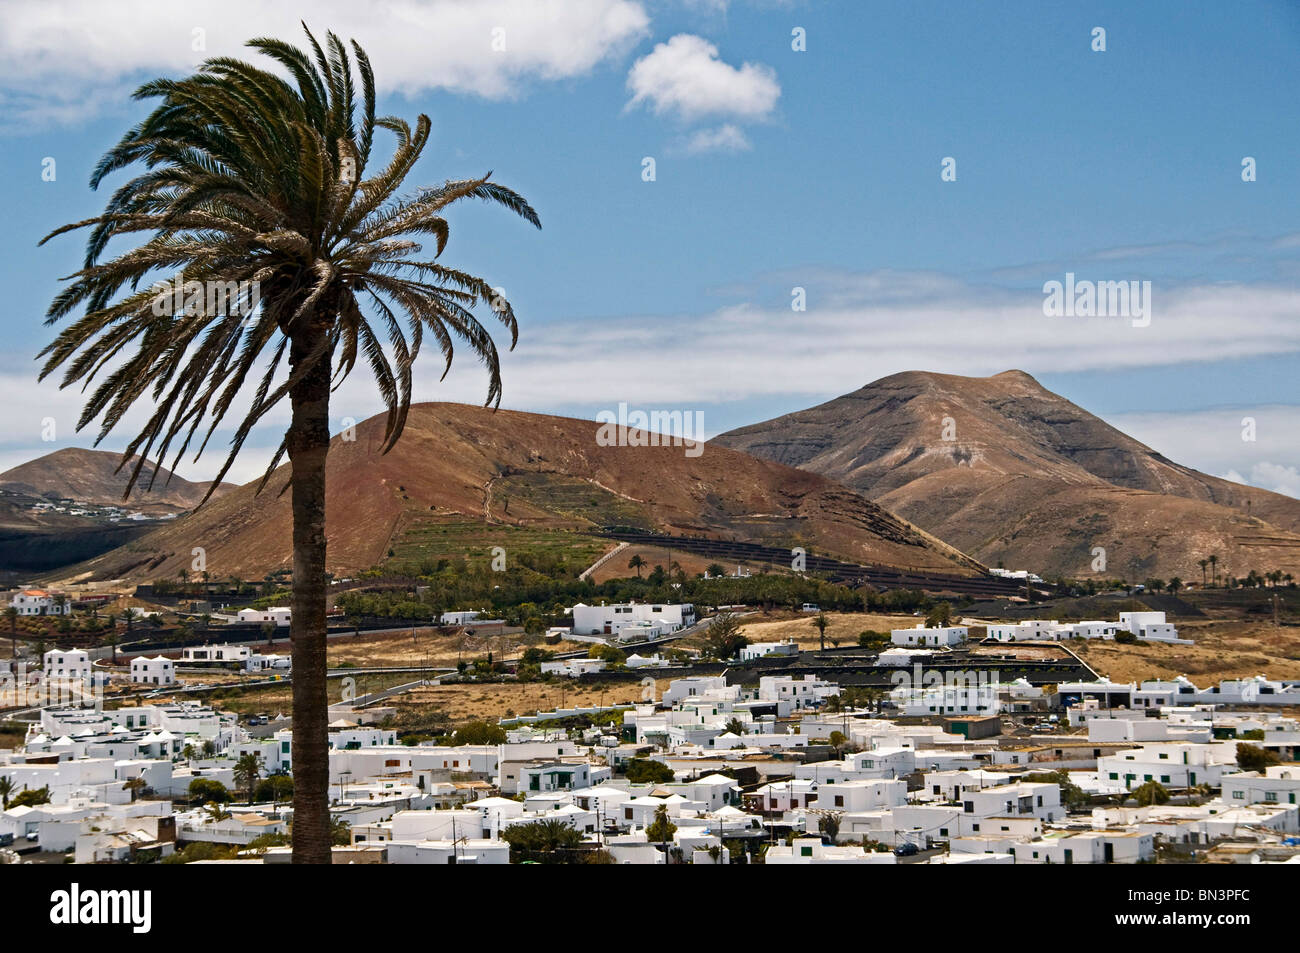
<point>724,138</point>
<point>857,328</point>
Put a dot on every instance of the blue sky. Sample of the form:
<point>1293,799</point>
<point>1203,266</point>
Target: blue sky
<point>776,169</point>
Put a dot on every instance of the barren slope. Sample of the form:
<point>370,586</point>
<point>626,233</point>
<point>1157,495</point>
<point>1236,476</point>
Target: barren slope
<point>457,465</point>
<point>93,476</point>
<point>1008,471</point>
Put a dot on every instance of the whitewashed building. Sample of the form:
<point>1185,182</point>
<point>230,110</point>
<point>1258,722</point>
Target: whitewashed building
<point>37,602</point>
<point>934,637</point>
<point>215,653</point>
<point>153,671</point>
<point>276,615</point>
<point>609,619</point>
<point>72,664</point>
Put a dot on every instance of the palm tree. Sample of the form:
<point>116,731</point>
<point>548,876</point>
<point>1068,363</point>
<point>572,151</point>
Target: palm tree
<point>1203,563</point>
<point>11,614</point>
<point>1214,569</point>
<point>820,622</point>
<point>636,562</point>
<point>249,179</point>
<point>247,770</point>
<point>135,785</point>
<point>6,789</point>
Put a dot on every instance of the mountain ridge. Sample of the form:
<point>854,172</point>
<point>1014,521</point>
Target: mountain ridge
<point>995,465</point>
<point>99,477</point>
<point>465,473</point>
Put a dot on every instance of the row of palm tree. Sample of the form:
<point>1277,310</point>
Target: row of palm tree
<point>243,176</point>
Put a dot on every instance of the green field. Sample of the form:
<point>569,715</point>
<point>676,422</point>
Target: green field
<point>430,539</point>
<point>571,498</point>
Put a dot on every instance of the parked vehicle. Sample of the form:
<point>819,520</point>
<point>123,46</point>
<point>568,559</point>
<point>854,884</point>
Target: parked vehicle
<point>906,850</point>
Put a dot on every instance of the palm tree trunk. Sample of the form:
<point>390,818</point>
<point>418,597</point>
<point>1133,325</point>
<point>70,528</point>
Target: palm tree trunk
<point>307,444</point>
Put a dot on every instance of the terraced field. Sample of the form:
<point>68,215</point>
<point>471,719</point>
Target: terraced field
<point>570,498</point>
<point>427,539</point>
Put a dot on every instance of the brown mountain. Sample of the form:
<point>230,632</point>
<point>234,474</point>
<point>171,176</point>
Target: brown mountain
<point>92,476</point>
<point>463,479</point>
<point>1010,472</point>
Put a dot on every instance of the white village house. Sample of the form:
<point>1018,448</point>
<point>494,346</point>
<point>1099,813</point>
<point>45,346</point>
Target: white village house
<point>37,602</point>
<point>609,619</point>
<point>153,671</point>
<point>944,635</point>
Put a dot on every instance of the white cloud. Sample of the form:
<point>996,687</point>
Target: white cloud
<point>1211,440</point>
<point>1269,476</point>
<point>61,59</point>
<point>858,327</point>
<point>685,77</point>
<point>724,138</point>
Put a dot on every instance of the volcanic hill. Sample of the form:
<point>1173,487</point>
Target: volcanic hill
<point>1008,471</point>
<point>464,479</point>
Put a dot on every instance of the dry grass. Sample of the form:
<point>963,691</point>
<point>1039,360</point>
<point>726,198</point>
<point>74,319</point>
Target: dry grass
<point>844,626</point>
<point>493,700</point>
<point>1223,649</point>
<point>430,648</point>
<point>617,568</point>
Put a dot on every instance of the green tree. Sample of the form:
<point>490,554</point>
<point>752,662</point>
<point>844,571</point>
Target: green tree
<point>135,785</point>
<point>6,789</point>
<point>723,636</point>
<point>275,788</point>
<point>247,770</point>
<point>872,640</point>
<point>1152,792</point>
<point>828,824</point>
<point>112,638</point>
<point>11,613</point>
<point>479,733</point>
<point>205,790</point>
<point>940,615</point>
<point>661,829</point>
<point>637,563</point>
<point>1255,758</point>
<point>820,622</point>
<point>609,653</point>
<point>540,840</point>
<point>31,797</point>
<point>1073,797</point>
<point>649,771</point>
<point>254,179</point>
